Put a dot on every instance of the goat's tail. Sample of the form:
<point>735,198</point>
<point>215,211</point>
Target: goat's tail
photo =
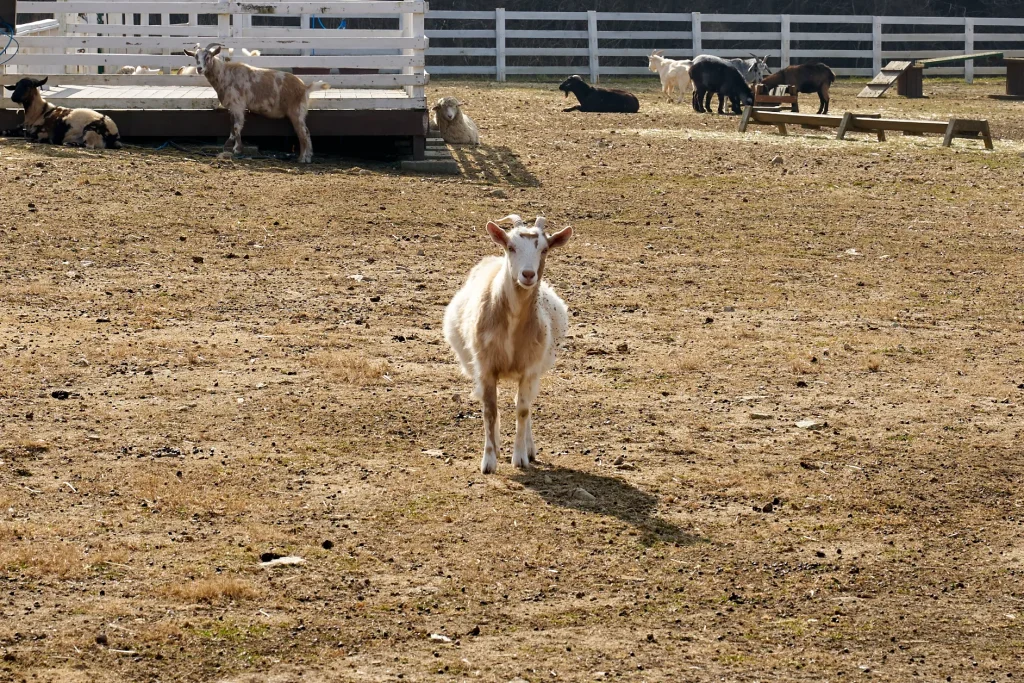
<point>317,85</point>
<point>831,76</point>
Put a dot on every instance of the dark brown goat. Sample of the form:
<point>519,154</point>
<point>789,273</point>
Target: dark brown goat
<point>807,78</point>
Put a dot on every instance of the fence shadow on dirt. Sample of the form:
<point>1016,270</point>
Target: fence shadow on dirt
<point>495,165</point>
<point>614,497</point>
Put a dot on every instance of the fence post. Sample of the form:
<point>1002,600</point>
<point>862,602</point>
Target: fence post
<point>784,59</point>
<point>968,49</point>
<point>499,43</point>
<point>695,29</point>
<point>592,45</point>
<point>876,44</point>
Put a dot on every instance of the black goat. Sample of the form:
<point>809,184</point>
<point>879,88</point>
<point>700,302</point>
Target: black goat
<point>599,99</point>
<point>814,77</point>
<point>711,75</point>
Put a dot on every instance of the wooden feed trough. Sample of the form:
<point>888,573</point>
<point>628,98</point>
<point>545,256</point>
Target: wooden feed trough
<point>377,75</point>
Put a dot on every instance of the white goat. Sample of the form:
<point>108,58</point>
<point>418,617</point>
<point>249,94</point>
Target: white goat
<point>506,322</point>
<point>674,74</point>
<point>270,93</point>
<point>137,71</point>
<point>455,126</point>
<point>245,53</point>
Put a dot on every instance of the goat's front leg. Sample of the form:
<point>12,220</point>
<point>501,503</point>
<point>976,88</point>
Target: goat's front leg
<point>576,108</point>
<point>492,426</point>
<point>524,451</point>
<point>234,142</point>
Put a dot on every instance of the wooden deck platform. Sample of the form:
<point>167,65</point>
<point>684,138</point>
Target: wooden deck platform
<point>197,97</point>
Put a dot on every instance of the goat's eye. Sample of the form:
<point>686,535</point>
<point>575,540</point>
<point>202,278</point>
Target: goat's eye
<point>544,250</point>
<point>511,250</point>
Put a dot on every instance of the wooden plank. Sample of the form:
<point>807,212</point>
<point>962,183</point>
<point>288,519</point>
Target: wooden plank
<point>347,8</point>
<point>328,61</point>
<point>958,58</point>
<point>339,42</point>
<point>334,80</point>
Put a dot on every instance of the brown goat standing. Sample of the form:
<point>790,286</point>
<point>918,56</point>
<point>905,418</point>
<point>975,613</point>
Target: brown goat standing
<point>270,93</point>
<point>808,78</point>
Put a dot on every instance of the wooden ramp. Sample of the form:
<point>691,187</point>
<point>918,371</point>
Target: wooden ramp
<point>884,79</point>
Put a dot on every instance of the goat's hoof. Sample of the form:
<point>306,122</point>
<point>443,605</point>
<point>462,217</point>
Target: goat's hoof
<point>489,464</point>
<point>521,460</point>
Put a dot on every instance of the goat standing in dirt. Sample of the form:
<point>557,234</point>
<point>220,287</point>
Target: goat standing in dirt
<point>506,322</point>
<point>270,93</point>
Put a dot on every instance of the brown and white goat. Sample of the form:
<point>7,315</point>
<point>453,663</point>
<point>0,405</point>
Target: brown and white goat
<point>46,122</point>
<point>814,77</point>
<point>506,323</point>
<point>266,92</point>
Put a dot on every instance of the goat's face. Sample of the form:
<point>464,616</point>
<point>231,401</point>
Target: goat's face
<point>526,248</point>
<point>204,56</point>
<point>572,84</point>
<point>654,61</point>
<point>25,90</point>
<point>447,108</point>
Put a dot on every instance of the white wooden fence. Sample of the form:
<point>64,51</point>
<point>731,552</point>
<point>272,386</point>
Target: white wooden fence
<point>853,45</point>
<point>497,43</point>
<point>388,53</point>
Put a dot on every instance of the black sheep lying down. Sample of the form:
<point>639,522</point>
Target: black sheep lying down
<point>711,75</point>
<point>599,99</point>
<point>45,122</point>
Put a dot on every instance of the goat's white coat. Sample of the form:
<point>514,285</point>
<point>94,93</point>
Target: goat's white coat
<point>455,126</point>
<point>507,323</point>
<point>674,74</point>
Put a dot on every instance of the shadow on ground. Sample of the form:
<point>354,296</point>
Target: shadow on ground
<point>496,165</point>
<point>613,497</point>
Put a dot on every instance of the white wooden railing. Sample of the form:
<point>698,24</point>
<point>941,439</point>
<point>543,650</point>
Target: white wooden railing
<point>92,36</point>
<point>864,41</point>
<point>492,43</point>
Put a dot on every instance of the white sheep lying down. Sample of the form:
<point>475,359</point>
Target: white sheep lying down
<point>455,126</point>
<point>507,323</point>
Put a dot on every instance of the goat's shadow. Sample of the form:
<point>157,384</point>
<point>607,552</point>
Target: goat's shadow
<point>495,165</point>
<point>613,497</point>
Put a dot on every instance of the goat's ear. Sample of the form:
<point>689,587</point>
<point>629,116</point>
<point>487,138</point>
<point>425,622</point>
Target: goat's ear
<point>41,83</point>
<point>560,238</point>
<point>215,51</point>
<point>11,87</point>
<point>190,53</point>
<point>497,234</point>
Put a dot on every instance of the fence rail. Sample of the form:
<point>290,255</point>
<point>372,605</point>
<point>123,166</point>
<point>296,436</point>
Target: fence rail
<point>501,42</point>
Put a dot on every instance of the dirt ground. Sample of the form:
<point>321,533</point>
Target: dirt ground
<point>205,361</point>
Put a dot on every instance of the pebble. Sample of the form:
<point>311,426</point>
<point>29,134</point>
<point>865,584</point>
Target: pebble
<point>327,545</point>
<point>811,425</point>
<point>777,160</point>
<point>198,259</point>
<point>760,416</point>
<point>584,495</point>
<point>497,192</point>
<point>622,348</point>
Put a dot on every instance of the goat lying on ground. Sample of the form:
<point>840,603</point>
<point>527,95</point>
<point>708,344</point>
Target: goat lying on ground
<point>46,122</point>
<point>711,75</point>
<point>674,73</point>
<point>274,94</point>
<point>137,71</point>
<point>808,78</point>
<point>455,126</point>
<point>506,322</point>
<point>599,99</point>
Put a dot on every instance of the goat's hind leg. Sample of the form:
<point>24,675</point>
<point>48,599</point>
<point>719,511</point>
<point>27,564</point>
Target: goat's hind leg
<point>524,451</point>
<point>492,425</point>
<point>305,143</point>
